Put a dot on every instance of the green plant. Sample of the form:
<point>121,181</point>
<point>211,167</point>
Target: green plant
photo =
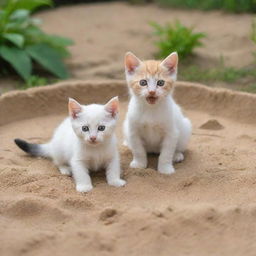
<point>176,37</point>
<point>25,46</point>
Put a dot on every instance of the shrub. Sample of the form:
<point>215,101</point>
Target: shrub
<point>24,45</point>
<point>176,37</point>
<point>35,81</point>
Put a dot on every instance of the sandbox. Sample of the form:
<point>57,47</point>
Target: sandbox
<point>208,207</point>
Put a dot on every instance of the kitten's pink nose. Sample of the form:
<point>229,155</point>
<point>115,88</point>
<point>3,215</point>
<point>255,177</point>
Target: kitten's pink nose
<point>152,93</point>
<point>93,138</point>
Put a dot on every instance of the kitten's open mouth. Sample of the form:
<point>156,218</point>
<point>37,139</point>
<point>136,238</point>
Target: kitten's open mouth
<point>151,99</point>
<point>93,142</point>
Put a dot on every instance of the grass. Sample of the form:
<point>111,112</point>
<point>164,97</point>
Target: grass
<point>234,77</point>
<point>250,88</point>
<point>219,73</point>
<point>236,6</point>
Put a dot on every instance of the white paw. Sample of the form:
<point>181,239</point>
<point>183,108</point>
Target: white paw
<point>138,164</point>
<point>125,143</point>
<point>65,170</point>
<point>178,157</point>
<point>117,183</point>
<point>84,187</point>
<point>166,169</point>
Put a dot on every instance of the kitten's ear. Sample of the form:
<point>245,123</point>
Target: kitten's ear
<point>74,108</point>
<point>113,106</point>
<point>171,63</point>
<point>131,62</point>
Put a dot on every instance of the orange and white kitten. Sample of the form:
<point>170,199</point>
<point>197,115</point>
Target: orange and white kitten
<point>154,122</point>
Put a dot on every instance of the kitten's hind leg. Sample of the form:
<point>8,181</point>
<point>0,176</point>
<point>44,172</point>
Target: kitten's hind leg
<point>185,133</point>
<point>178,157</point>
<point>65,170</point>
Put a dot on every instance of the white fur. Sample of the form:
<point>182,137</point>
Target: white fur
<point>156,128</point>
<point>72,152</point>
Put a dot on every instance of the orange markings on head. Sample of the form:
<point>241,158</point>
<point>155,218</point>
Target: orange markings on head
<point>150,68</point>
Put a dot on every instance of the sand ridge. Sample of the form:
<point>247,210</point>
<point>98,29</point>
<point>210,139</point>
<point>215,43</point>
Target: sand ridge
<point>207,207</point>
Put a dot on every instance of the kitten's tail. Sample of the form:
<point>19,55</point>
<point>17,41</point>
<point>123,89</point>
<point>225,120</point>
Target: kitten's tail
<point>33,149</point>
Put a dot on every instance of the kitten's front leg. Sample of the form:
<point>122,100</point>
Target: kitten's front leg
<point>165,161</point>
<point>81,176</point>
<point>138,151</point>
<point>113,172</point>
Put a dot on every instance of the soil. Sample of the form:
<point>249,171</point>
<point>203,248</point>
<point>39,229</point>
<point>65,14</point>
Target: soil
<point>207,207</point>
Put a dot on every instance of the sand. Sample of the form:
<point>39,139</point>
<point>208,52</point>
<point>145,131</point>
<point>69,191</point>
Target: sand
<point>103,32</point>
<point>207,207</point>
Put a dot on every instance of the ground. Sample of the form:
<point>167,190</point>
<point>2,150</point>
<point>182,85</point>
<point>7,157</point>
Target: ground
<point>104,32</point>
<point>207,207</point>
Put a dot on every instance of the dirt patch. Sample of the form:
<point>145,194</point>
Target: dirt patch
<point>212,124</point>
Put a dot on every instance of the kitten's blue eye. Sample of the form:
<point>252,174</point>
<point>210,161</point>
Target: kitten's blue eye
<point>85,128</point>
<point>143,82</point>
<point>160,83</point>
<point>101,128</point>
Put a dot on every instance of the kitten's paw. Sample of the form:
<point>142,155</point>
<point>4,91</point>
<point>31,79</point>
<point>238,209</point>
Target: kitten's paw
<point>65,170</point>
<point>166,169</point>
<point>138,164</point>
<point>178,157</point>
<point>117,183</point>
<point>84,187</point>
<point>125,143</point>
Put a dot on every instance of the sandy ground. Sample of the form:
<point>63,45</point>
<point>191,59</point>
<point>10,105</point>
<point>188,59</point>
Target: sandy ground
<point>207,207</point>
<point>104,32</point>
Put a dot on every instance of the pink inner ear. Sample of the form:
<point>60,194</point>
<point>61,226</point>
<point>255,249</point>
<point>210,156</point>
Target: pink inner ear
<point>171,63</point>
<point>74,109</point>
<point>131,63</point>
<point>170,66</point>
<point>112,107</point>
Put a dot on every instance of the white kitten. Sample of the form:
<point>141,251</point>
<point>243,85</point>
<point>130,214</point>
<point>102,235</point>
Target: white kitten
<point>84,141</point>
<point>154,122</point>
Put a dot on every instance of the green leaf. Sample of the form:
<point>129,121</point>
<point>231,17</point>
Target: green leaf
<point>16,39</point>
<point>49,58</point>
<point>29,5</point>
<point>20,14</point>
<point>57,41</point>
<point>18,59</point>
<point>3,3</point>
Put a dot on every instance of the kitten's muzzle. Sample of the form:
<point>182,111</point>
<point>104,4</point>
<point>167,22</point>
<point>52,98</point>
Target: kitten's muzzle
<point>152,93</point>
<point>93,139</point>
<point>152,98</point>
